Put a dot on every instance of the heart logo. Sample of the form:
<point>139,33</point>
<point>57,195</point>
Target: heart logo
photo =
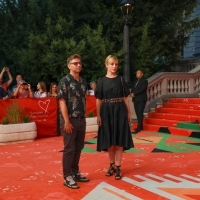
<point>44,105</point>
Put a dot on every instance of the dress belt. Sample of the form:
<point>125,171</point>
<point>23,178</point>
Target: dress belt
<point>82,117</point>
<point>113,100</point>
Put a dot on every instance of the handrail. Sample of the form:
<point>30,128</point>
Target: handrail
<point>172,84</point>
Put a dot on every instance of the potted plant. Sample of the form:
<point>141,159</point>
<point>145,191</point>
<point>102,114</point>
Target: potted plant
<point>16,126</point>
<point>91,122</point>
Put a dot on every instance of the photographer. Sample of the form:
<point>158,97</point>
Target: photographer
<point>6,84</point>
<point>23,90</point>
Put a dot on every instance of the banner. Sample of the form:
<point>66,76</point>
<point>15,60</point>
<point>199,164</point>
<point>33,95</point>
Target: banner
<point>91,105</point>
<point>42,111</point>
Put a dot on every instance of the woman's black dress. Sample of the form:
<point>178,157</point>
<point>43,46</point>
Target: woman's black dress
<point>114,129</point>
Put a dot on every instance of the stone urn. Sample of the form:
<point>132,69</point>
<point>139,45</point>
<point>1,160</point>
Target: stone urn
<point>17,133</point>
<point>91,124</point>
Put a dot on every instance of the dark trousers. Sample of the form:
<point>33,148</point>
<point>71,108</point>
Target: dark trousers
<point>73,144</point>
<point>139,111</point>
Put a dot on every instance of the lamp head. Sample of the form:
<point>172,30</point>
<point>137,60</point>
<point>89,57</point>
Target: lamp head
<point>126,7</point>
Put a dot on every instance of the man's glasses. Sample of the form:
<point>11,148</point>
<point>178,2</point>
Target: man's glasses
<point>76,63</point>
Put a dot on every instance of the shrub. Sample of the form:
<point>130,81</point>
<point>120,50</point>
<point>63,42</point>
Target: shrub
<point>15,114</point>
<point>91,114</point>
<point>4,120</point>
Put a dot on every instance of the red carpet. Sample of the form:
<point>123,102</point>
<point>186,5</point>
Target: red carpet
<point>32,171</point>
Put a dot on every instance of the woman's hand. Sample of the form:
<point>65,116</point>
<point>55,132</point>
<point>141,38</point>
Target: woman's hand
<point>129,117</point>
<point>98,120</point>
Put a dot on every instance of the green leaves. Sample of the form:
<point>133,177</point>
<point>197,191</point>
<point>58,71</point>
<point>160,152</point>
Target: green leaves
<point>37,36</point>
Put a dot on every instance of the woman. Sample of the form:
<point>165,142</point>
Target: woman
<point>23,90</point>
<point>93,87</point>
<point>113,116</point>
<point>41,90</point>
<point>53,92</point>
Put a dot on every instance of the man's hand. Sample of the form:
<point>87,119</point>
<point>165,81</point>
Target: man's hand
<point>68,127</point>
<point>6,69</point>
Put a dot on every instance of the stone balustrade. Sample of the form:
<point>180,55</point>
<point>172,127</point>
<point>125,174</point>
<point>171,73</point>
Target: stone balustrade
<point>172,84</point>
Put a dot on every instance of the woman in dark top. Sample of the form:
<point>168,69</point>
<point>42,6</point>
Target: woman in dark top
<point>53,91</point>
<point>113,116</point>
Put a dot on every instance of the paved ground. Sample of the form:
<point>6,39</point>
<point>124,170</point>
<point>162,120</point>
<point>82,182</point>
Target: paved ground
<point>160,167</point>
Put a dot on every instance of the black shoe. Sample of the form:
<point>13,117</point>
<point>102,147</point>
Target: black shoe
<point>70,183</point>
<point>111,170</point>
<point>118,175</point>
<point>79,178</point>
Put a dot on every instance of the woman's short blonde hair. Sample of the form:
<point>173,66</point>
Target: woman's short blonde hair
<point>110,57</point>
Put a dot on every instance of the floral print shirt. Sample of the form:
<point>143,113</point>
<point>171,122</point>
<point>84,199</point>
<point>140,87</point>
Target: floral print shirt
<point>74,93</point>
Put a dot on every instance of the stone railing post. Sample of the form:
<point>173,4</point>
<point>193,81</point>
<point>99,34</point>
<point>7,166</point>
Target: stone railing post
<point>192,85</point>
<point>164,89</point>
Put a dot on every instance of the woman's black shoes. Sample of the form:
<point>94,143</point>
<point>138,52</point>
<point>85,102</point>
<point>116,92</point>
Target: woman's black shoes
<point>114,169</point>
<point>111,170</point>
<point>118,175</point>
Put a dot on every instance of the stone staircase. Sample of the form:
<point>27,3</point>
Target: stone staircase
<point>177,116</point>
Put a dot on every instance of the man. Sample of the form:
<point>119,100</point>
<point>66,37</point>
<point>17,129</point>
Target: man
<point>72,100</point>
<point>18,79</point>
<point>139,94</point>
<point>93,87</point>
<point>6,84</point>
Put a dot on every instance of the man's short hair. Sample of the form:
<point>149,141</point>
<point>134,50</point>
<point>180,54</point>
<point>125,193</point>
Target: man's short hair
<point>73,57</point>
<point>93,82</point>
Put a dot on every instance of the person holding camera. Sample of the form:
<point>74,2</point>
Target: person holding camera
<point>23,90</point>
<point>6,84</point>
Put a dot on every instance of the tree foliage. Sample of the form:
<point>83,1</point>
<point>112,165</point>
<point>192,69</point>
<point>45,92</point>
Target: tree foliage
<point>37,36</point>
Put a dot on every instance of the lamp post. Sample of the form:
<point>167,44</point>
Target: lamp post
<point>126,8</point>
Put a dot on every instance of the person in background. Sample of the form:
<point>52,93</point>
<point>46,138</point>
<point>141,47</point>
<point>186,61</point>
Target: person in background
<point>72,100</point>
<point>23,90</point>
<point>41,90</point>
<point>139,94</point>
<point>18,79</point>
<point>53,90</point>
<point>93,87</point>
<point>6,84</point>
<point>113,116</point>
<point>3,94</point>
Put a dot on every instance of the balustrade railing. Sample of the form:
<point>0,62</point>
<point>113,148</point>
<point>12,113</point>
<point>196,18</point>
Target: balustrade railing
<point>172,84</point>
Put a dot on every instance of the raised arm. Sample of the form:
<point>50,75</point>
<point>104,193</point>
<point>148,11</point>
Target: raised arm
<point>15,93</point>
<point>9,76</point>
<point>2,72</point>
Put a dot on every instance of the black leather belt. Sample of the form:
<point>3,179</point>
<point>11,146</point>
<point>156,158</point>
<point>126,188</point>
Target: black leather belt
<point>82,117</point>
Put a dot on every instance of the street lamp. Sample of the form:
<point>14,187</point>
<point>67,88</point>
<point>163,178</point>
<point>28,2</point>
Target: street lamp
<point>126,7</point>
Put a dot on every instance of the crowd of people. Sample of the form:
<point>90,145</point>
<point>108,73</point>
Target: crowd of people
<point>22,89</point>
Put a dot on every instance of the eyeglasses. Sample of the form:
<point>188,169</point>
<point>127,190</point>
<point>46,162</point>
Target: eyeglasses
<point>76,63</point>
